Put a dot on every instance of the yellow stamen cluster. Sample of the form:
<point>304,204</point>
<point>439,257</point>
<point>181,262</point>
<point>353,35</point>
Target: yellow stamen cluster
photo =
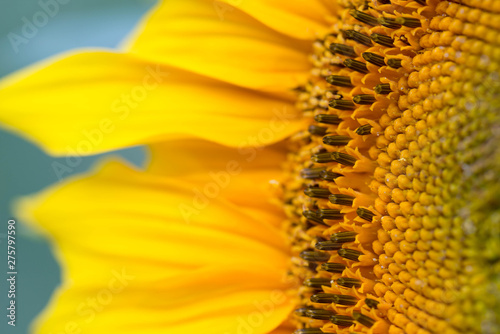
<point>393,192</point>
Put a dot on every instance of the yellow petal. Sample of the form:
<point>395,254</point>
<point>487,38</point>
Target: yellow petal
<point>296,18</point>
<point>222,42</point>
<point>244,177</point>
<point>133,263</point>
<point>93,102</point>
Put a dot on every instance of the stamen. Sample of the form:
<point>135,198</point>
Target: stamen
<point>312,216</point>
<point>327,298</point>
<point>329,176</point>
<point>355,65</point>
<point>336,140</point>
<point>409,22</point>
<point>373,58</point>
<point>316,130</point>
<point>394,63</point>
<point>364,130</point>
<point>311,173</point>
<point>364,99</point>
<point>342,104</point>
<point>389,22</point>
<point>317,282</point>
<point>382,40</point>
<point>350,254</point>
<point>358,37</point>
<point>313,256</point>
<point>383,88</point>
<point>342,320</point>
<point>422,2</point>
<point>363,17</point>
<point>341,199</point>
<point>301,312</point>
<point>372,303</point>
<point>319,314</point>
<point>343,237</point>
<point>343,159</point>
<point>327,119</point>
<point>338,80</point>
<point>363,319</point>
<point>343,49</point>
<point>308,331</point>
<point>328,246</point>
<point>349,282</point>
<point>317,192</point>
<point>329,214</point>
<point>365,214</point>
<point>332,267</point>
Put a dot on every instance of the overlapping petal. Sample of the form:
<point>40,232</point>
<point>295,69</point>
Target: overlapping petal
<point>230,171</point>
<point>107,101</point>
<point>223,42</point>
<point>135,262</point>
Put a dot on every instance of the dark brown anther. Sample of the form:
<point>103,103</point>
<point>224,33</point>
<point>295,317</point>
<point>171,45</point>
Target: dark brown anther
<point>350,254</point>
<point>355,65</point>
<point>364,99</point>
<point>343,49</point>
<point>322,158</point>
<point>327,119</point>
<point>394,62</point>
<point>384,88</point>
<point>421,2</point>
<point>327,298</point>
<point>317,192</point>
<point>332,214</point>
<point>343,159</point>
<point>363,319</point>
<point>336,140</point>
<point>342,104</point>
<point>358,37</point>
<point>343,237</point>
<point>363,17</point>
<point>389,22</point>
<point>373,58</point>
<point>364,130</point>
<point>329,176</point>
<point>341,199</point>
<point>365,214</point>
<point>338,80</point>
<point>308,331</point>
<point>348,282</point>
<point>312,217</point>
<point>409,22</point>
<point>372,303</point>
<point>319,314</point>
<point>327,246</point>
<point>317,130</point>
<point>314,256</point>
<point>332,267</point>
<point>382,40</point>
<point>342,320</point>
<point>311,173</point>
<point>317,282</point>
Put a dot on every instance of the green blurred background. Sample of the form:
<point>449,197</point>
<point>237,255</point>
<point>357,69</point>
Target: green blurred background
<point>24,168</point>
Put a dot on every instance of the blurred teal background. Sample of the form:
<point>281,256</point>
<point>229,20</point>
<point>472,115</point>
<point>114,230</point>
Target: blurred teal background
<point>24,168</point>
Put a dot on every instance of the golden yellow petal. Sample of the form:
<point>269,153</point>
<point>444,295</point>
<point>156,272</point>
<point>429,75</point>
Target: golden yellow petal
<point>242,176</point>
<point>221,42</point>
<point>141,250</point>
<point>294,18</point>
<point>96,101</point>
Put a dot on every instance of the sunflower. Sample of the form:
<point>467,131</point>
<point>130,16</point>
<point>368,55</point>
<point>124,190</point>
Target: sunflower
<point>319,167</point>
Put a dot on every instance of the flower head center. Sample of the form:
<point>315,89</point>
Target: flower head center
<point>384,188</point>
